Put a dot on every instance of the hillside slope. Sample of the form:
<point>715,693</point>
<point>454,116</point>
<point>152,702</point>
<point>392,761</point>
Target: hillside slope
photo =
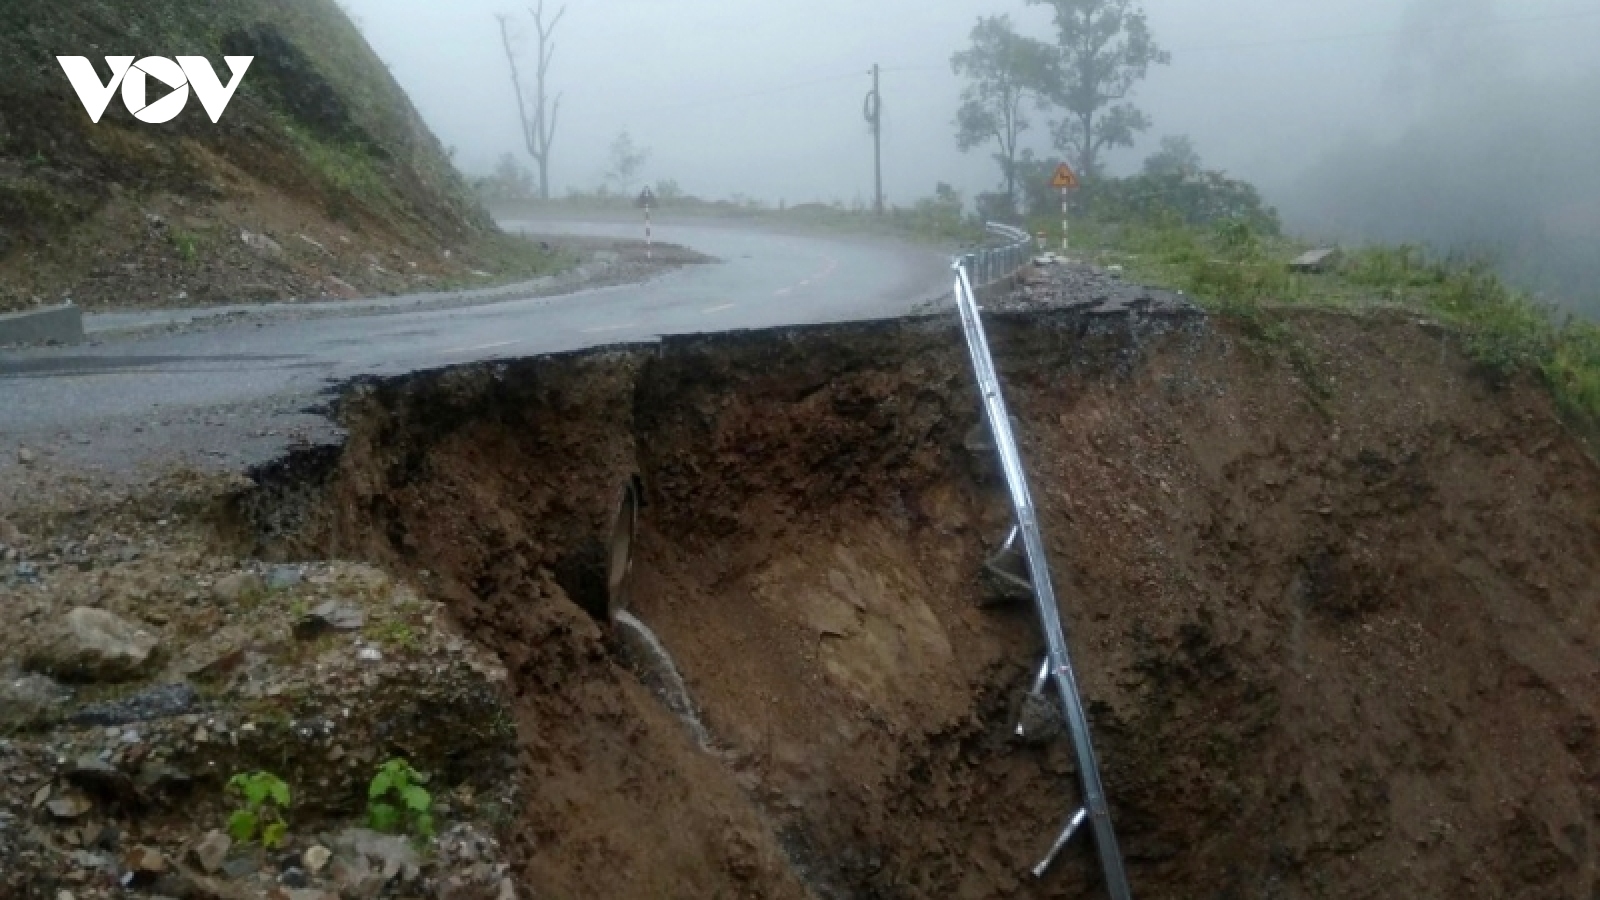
<point>320,180</point>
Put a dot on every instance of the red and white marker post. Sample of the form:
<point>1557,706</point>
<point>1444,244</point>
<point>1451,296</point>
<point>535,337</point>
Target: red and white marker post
<point>1064,180</point>
<point>647,199</point>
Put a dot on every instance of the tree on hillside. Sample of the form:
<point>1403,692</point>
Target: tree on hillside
<point>1104,48</point>
<point>627,160</point>
<point>510,180</point>
<point>539,129</point>
<point>1004,71</point>
<point>1177,156</point>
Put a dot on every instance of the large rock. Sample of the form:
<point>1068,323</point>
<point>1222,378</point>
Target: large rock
<point>95,645</point>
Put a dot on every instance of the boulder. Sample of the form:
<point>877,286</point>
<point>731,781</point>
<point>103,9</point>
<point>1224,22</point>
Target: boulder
<point>93,645</point>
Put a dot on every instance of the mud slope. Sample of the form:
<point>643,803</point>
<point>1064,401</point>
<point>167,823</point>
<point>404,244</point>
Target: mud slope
<point>1335,608</point>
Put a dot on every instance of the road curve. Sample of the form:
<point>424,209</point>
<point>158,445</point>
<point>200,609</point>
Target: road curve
<point>213,394</point>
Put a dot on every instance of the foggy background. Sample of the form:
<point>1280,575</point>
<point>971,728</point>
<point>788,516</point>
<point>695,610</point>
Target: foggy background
<point>1469,125</point>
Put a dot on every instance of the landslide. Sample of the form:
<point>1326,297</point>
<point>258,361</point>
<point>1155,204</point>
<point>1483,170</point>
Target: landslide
<point>320,181</point>
<point>1334,605</point>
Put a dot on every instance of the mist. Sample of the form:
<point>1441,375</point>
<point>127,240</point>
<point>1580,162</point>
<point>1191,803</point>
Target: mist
<point>1465,126</point>
<point>1496,162</point>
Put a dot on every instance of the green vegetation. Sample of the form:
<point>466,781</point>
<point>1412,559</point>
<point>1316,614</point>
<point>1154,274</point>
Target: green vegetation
<point>266,800</point>
<point>1238,268</point>
<point>396,801</point>
<point>395,633</point>
<point>186,243</point>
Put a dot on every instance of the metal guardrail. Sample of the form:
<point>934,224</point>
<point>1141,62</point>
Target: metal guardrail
<point>988,266</point>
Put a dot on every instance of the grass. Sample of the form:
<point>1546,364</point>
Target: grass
<point>1242,274</point>
<point>186,243</point>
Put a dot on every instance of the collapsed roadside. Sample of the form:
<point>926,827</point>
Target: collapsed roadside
<point>1314,590</point>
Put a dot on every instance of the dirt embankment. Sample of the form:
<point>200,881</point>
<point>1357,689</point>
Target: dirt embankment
<point>1333,602</point>
<point>320,180</point>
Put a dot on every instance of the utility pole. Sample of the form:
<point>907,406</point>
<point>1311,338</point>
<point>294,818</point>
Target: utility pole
<point>874,114</point>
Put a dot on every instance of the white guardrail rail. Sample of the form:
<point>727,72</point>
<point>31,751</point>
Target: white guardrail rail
<point>987,267</point>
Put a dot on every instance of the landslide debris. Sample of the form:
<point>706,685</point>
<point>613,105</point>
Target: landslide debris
<point>1331,595</point>
<point>190,666</point>
<point>320,181</point>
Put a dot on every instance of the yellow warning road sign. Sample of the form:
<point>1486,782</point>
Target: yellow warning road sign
<point>1064,178</point>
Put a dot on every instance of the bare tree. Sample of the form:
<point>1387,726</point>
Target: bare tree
<point>538,132</point>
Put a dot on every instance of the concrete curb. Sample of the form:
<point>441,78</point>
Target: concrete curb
<point>56,325</point>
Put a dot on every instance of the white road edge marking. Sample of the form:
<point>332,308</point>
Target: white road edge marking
<point>609,328</point>
<point>717,309</point>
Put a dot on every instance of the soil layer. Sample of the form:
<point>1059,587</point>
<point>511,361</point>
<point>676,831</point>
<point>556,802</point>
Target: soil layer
<point>1332,598</point>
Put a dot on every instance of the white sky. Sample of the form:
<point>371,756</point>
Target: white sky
<point>1262,85</point>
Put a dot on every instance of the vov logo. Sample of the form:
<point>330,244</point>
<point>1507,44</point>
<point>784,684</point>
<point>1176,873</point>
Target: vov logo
<point>134,79</point>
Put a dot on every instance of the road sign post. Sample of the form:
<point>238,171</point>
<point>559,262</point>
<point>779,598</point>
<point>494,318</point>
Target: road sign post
<point>1064,180</point>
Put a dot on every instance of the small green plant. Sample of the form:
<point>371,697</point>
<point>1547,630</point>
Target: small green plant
<point>396,633</point>
<point>396,801</point>
<point>185,243</point>
<point>266,799</point>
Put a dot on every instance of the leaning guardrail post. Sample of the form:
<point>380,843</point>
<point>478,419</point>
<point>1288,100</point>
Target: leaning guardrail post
<point>1058,663</point>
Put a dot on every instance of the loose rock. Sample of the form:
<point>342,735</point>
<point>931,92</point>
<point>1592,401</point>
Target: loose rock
<point>30,701</point>
<point>231,589</point>
<point>330,616</point>
<point>212,851</point>
<point>95,645</point>
<point>69,805</point>
<point>282,578</point>
<point>145,862</point>
<point>316,858</point>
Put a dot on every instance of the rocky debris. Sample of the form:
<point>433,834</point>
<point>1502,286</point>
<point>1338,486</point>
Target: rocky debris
<point>211,851</point>
<point>388,855</point>
<point>94,645</point>
<point>330,616</point>
<point>1094,291</point>
<point>316,858</point>
<point>1040,721</point>
<point>69,804</point>
<point>260,243</point>
<point>98,795</point>
<point>161,702</point>
<point>102,778</point>
<point>31,701</point>
<point>1054,282</point>
<point>283,578</point>
<point>238,587</point>
<point>145,863</point>
<point>26,457</point>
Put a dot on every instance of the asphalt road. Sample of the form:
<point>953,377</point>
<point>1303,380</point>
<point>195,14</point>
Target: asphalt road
<point>234,391</point>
